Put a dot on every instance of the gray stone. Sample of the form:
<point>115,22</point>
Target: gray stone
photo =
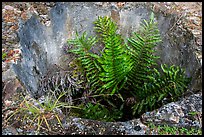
<point>19,130</point>
<point>81,126</point>
<point>175,116</point>
<point>10,24</point>
<point>8,7</point>
<point>8,74</point>
<point>177,113</point>
<point>5,66</point>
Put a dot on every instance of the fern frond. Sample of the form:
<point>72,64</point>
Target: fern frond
<point>88,60</point>
<point>170,82</point>
<point>141,48</point>
<point>105,27</point>
<point>116,63</point>
<point>175,76</point>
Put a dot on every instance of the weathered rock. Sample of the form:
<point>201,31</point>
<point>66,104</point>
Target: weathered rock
<point>10,84</point>
<point>178,113</point>
<point>5,66</point>
<point>7,7</point>
<point>79,126</point>
<point>10,88</point>
<point>8,74</point>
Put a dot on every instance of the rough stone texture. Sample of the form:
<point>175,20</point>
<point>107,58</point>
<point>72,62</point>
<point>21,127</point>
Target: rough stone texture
<point>8,74</point>
<point>178,113</point>
<point>10,83</point>
<point>80,126</point>
<point>41,48</point>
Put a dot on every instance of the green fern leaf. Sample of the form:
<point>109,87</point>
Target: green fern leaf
<point>116,63</point>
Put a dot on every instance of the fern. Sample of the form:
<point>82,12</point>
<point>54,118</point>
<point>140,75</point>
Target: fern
<point>126,69</point>
<point>140,48</point>
<point>115,62</point>
<point>88,60</point>
<point>100,112</point>
<point>149,86</point>
<point>170,82</point>
<point>105,28</point>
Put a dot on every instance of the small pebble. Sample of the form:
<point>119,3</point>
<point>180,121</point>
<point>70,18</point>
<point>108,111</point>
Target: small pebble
<point>19,130</point>
<point>8,7</point>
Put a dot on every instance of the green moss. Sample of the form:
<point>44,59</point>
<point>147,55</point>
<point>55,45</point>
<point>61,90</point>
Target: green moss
<point>167,130</point>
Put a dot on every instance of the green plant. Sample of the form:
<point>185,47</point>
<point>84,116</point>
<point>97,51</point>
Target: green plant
<point>141,48</point>
<point>91,109</point>
<point>115,62</point>
<point>87,61</point>
<point>43,112</point>
<point>168,130</point>
<point>100,112</point>
<point>170,82</point>
<point>4,55</point>
<point>193,113</point>
<point>148,85</point>
<point>128,69</point>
